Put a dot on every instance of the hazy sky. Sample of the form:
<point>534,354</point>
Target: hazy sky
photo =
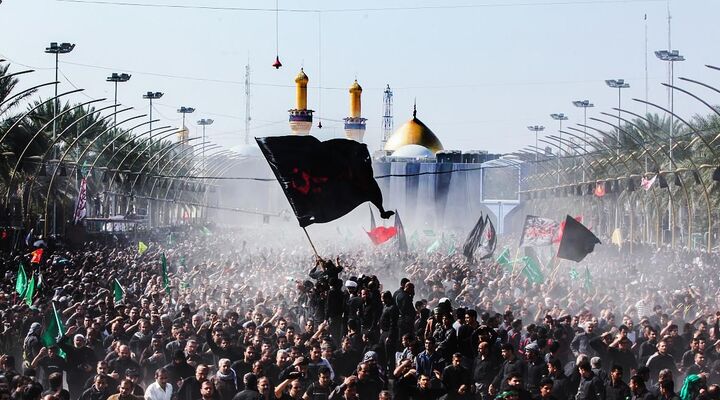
<point>481,71</point>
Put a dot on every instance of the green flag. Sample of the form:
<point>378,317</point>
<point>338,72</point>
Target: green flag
<point>165,278</point>
<point>21,283</point>
<point>142,248</point>
<point>52,331</point>
<point>206,231</point>
<point>504,258</point>
<point>30,291</point>
<point>433,247</point>
<point>532,270</point>
<point>574,274</point>
<point>118,290</point>
<point>588,279</point>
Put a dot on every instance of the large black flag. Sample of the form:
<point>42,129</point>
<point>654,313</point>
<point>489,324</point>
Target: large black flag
<point>401,239</point>
<point>577,241</point>
<point>488,239</point>
<point>322,180</point>
<point>474,238</point>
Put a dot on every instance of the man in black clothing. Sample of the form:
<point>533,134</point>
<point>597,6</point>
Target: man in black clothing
<point>98,391</point>
<point>80,360</point>
<point>321,388</point>
<point>225,349</point>
<point>190,388</point>
<point>178,370</point>
<point>242,367</point>
<point>546,386</point>
<point>367,386</point>
<point>561,385</point>
<point>667,391</point>
<point>345,359</point>
<point>456,379</point>
<point>511,365</point>
<point>406,308</point>
<point>388,325</point>
<point>334,308</point>
<point>699,366</point>
<point>616,388</point>
<point>123,362</point>
<point>250,392</point>
<point>591,387</point>
<point>536,368</point>
<point>485,369</point>
<point>660,360</point>
<point>639,390</point>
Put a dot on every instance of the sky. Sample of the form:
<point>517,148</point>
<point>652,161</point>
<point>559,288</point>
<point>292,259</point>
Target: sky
<point>479,71</point>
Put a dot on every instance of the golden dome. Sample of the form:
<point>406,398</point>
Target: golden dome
<point>355,87</point>
<point>414,132</point>
<point>301,78</point>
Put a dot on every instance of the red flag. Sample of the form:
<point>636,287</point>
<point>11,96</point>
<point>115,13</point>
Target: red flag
<point>561,229</point>
<point>36,256</point>
<point>600,189</point>
<point>382,234</point>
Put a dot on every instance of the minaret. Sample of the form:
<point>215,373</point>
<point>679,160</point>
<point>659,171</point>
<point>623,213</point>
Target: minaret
<point>354,123</point>
<point>387,122</point>
<point>300,117</point>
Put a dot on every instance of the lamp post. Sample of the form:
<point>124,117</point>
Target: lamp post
<point>152,96</point>
<point>185,110</point>
<point>54,48</point>
<point>584,104</point>
<point>670,56</point>
<point>618,84</point>
<point>536,129</point>
<point>559,117</point>
<point>204,122</point>
<point>117,78</point>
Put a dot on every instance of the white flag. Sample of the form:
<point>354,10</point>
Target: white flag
<point>81,204</point>
<point>647,183</point>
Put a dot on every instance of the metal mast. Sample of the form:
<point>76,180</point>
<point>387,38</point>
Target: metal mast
<point>387,120</point>
<point>247,103</point>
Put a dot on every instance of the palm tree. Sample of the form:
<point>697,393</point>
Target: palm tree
<point>7,86</point>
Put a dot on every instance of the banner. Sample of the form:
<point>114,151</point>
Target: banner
<point>81,204</point>
<point>538,231</point>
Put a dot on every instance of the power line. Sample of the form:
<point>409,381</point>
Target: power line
<point>245,178</point>
<point>369,9</point>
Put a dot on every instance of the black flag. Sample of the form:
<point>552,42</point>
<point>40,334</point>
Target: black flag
<point>322,180</point>
<point>401,240</point>
<point>488,239</point>
<point>577,241</point>
<point>473,240</point>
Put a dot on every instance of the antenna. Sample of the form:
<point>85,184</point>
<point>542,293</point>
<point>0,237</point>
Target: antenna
<point>646,66</point>
<point>387,119</point>
<point>247,102</point>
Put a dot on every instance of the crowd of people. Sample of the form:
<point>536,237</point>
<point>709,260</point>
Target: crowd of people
<point>246,317</point>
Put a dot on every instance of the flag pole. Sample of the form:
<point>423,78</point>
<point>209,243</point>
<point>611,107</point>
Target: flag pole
<point>311,242</point>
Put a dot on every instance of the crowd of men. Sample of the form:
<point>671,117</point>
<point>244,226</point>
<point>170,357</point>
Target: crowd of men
<point>243,318</point>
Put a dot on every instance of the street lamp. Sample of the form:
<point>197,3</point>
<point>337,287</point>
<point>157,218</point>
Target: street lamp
<point>584,104</point>
<point>618,84</point>
<point>559,117</point>
<point>536,129</point>
<point>185,110</point>
<point>204,122</point>
<point>62,48</point>
<point>116,78</point>
<point>670,56</point>
<point>152,96</point>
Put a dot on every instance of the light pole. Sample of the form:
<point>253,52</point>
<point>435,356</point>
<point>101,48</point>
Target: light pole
<point>584,104</point>
<point>618,84</point>
<point>152,96</point>
<point>204,122</point>
<point>62,48</point>
<point>536,129</point>
<point>670,56</point>
<point>116,78</point>
<point>559,117</point>
<point>185,110</point>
